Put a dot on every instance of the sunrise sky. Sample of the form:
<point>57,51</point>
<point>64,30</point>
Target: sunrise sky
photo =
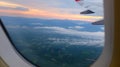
<point>47,9</point>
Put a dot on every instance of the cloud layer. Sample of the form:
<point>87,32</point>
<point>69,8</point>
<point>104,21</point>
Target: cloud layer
<point>88,38</point>
<point>73,32</point>
<point>15,8</point>
<point>82,42</point>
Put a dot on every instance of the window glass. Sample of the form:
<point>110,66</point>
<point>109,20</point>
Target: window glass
<point>55,33</point>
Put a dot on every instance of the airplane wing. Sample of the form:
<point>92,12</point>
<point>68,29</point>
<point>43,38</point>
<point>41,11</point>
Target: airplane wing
<point>100,22</point>
<point>92,7</point>
<point>87,12</point>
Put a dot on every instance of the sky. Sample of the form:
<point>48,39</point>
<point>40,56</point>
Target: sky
<point>47,9</point>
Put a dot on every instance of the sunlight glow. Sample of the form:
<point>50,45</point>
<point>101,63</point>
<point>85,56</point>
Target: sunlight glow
<point>37,13</point>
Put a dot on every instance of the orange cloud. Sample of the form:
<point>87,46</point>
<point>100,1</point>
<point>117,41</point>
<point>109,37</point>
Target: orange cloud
<point>9,4</point>
<point>44,14</point>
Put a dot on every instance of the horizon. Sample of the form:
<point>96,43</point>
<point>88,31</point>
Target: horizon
<point>43,18</point>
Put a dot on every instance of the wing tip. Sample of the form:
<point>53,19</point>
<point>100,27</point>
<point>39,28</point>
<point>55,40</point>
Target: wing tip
<point>100,22</point>
<point>87,12</point>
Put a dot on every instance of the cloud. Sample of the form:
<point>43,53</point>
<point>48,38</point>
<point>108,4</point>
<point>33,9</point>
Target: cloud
<point>61,30</point>
<point>73,41</point>
<point>36,23</point>
<point>76,27</point>
<point>16,26</point>
<point>14,8</point>
<point>11,26</point>
<point>89,38</point>
<point>21,8</point>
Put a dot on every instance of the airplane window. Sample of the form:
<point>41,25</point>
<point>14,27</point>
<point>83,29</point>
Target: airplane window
<point>55,33</point>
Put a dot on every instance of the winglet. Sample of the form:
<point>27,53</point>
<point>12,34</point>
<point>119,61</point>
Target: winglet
<point>100,22</point>
<point>87,12</point>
